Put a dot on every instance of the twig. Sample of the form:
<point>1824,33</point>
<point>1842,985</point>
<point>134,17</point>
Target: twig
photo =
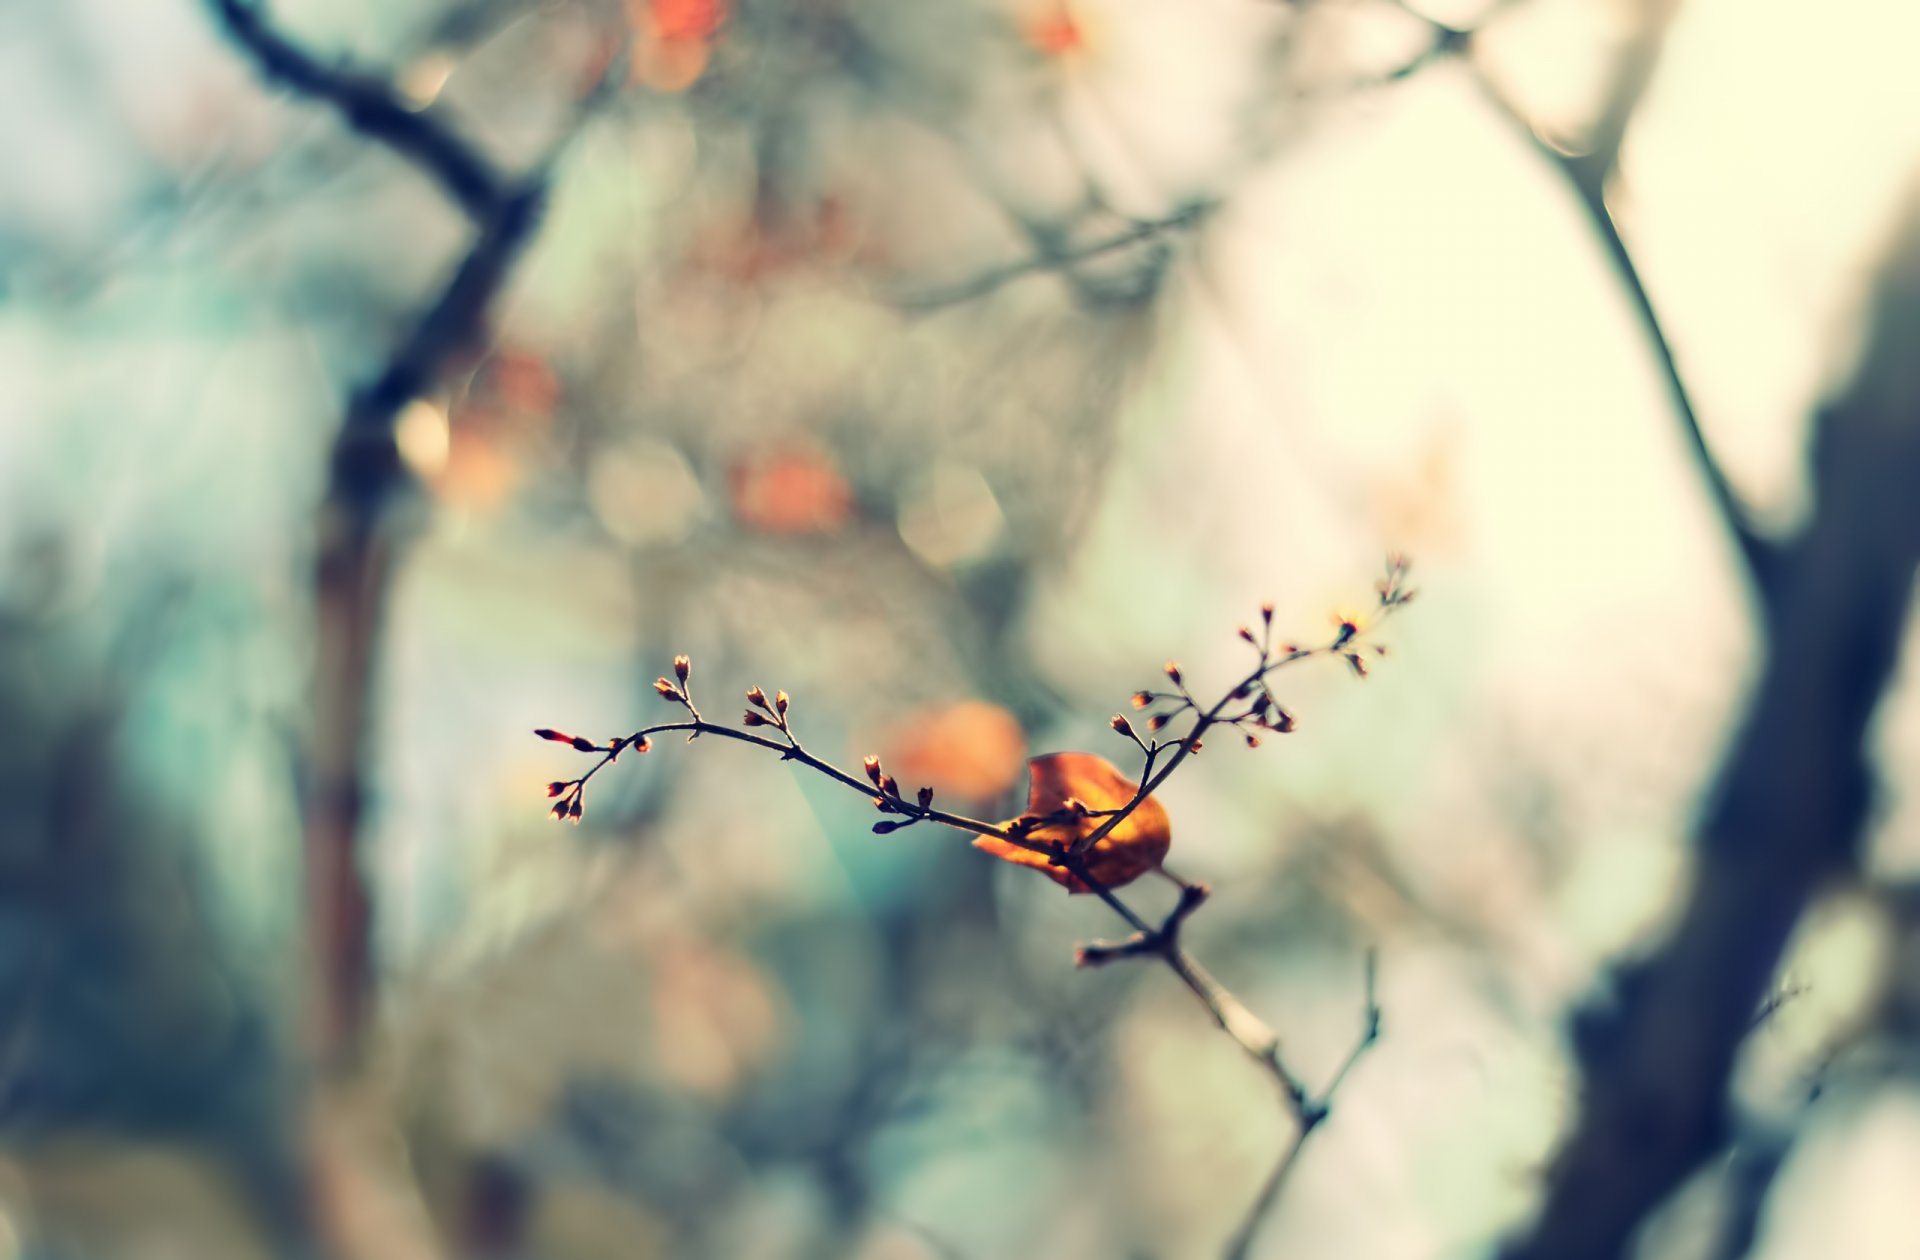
<point>1586,174</point>
<point>1055,259</point>
<point>1310,1113</point>
<point>1161,942</point>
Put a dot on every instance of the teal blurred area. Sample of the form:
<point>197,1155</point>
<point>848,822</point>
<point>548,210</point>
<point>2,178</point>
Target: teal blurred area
<point>949,366</point>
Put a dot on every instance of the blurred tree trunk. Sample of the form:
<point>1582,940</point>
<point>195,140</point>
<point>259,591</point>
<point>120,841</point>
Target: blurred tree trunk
<point>1784,821</point>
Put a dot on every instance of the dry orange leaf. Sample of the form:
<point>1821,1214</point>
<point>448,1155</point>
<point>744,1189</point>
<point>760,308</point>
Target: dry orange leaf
<point>1055,782</point>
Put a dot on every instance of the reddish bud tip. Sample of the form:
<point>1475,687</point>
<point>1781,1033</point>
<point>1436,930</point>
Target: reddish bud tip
<point>560,810</point>
<point>1157,721</point>
<point>558,737</point>
<point>780,701</point>
<point>1173,672</point>
<point>1247,635</point>
<point>925,797</point>
<point>643,744</point>
<point>872,765</point>
<point>554,789</point>
<point>682,667</point>
<point>1282,721</point>
<point>1141,699</point>
<point>752,719</point>
<point>890,785</point>
<point>1266,613</point>
<point>1121,725</point>
<point>1253,741</point>
<point>666,689</point>
<point>582,744</point>
<point>579,807</point>
<point>756,697</point>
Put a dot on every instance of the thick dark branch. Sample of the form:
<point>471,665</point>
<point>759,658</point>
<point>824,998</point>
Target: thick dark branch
<point>371,106</point>
<point>1785,819</point>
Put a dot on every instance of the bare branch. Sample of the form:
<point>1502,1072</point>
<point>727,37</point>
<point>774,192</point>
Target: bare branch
<point>371,106</point>
<point>1310,1113</point>
<point>1054,258</point>
<point>1162,942</point>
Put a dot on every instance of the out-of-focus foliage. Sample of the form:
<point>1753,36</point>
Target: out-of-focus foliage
<point>947,364</point>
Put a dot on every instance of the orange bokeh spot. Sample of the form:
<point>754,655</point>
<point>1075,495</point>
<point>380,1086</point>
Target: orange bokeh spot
<point>1055,32</point>
<point>687,21</point>
<point>968,751</point>
<point>797,492</point>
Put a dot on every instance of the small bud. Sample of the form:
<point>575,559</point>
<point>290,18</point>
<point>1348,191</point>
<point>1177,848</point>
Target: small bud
<point>558,737</point>
<point>756,697</point>
<point>579,807</point>
<point>1243,691</point>
<point>1173,672</point>
<point>1282,720</point>
<point>882,827</point>
<point>582,744</point>
<point>1347,630</point>
<point>1359,665</point>
<point>682,667</point>
<point>666,689</point>
<point>925,797</point>
<point>1121,725</point>
<point>1157,721</point>
<point>890,785</point>
<point>1291,649</point>
<point>1261,703</point>
<point>1141,699</point>
<point>554,789</point>
<point>780,702</point>
<point>1266,613</point>
<point>1379,649</point>
<point>873,769</point>
<point>643,744</point>
<point>560,810</point>
<point>1253,741</point>
<point>1248,635</point>
<point>752,719</point>
<point>1193,746</point>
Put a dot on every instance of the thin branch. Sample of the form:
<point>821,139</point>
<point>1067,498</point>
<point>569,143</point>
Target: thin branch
<point>1310,1113</point>
<point>1586,173</point>
<point>1161,942</point>
<point>1056,259</point>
